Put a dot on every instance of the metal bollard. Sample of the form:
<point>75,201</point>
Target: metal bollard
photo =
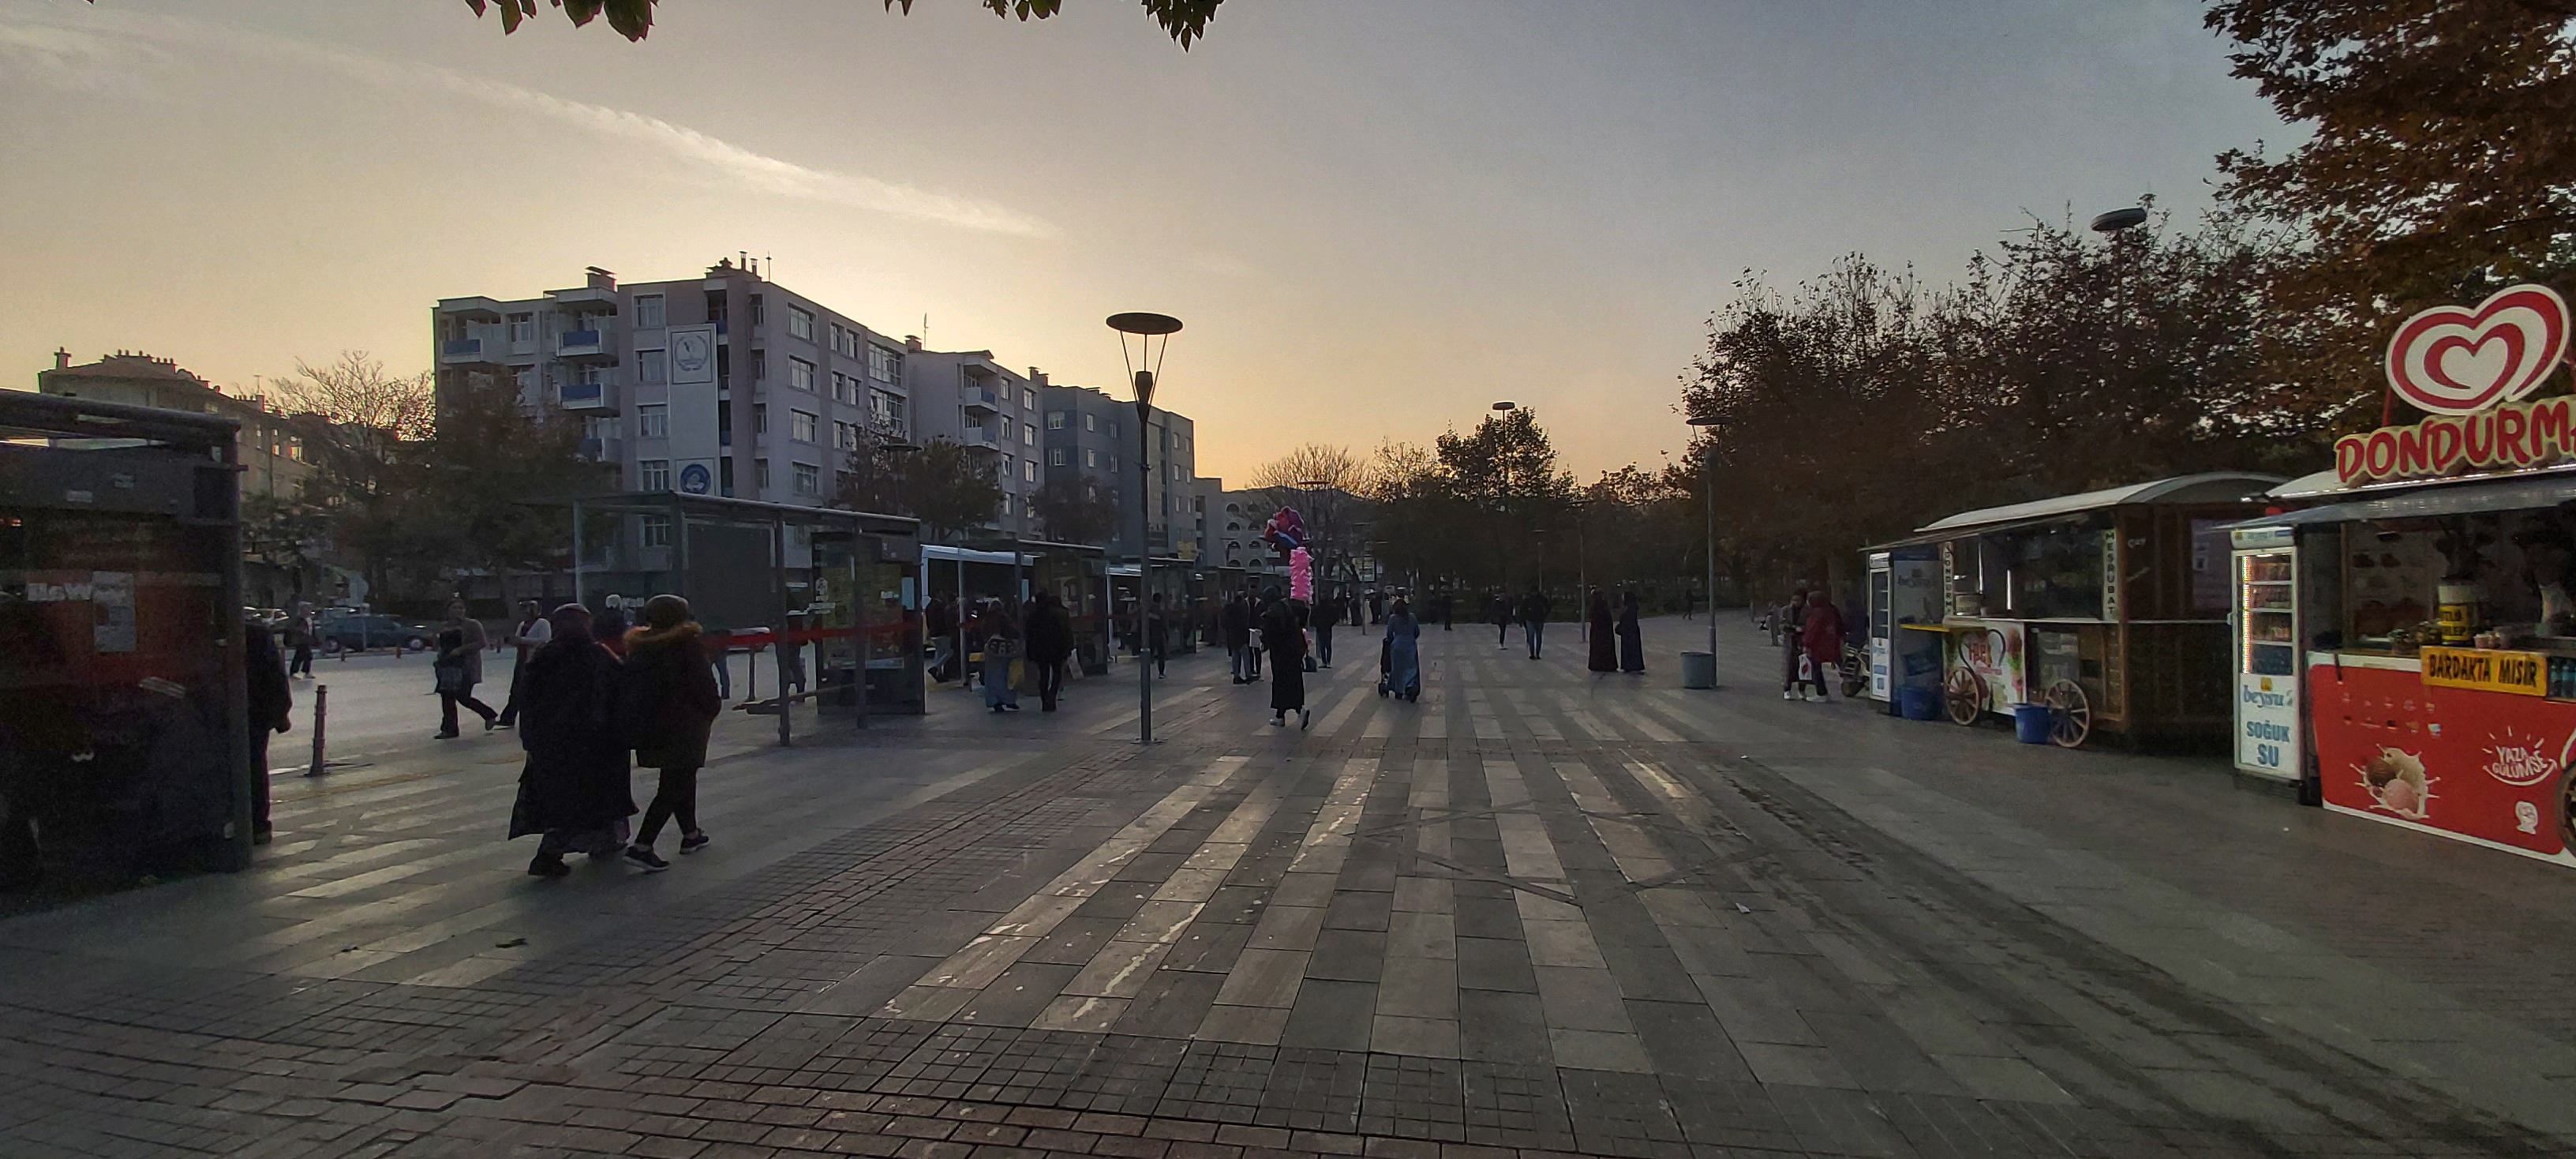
<point>321,712</point>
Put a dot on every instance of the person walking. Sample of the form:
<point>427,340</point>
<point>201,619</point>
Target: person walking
<point>1048,640</point>
<point>1534,610</point>
<point>1283,632</point>
<point>575,790</point>
<point>1823,637</point>
<point>299,636</point>
<point>1448,608</point>
<point>530,634</point>
<point>669,701</point>
<point>458,668</point>
<point>1789,628</point>
<point>1403,652</point>
<point>941,622</point>
<point>1158,633</point>
<point>1632,639</point>
<point>271,697</point>
<point>1235,622</point>
<point>1001,647</point>
<point>1252,654</point>
<point>1602,648</point>
<point>1499,610</point>
<point>1327,614</point>
<point>1377,605</point>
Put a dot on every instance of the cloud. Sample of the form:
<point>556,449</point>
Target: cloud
<point>80,59</point>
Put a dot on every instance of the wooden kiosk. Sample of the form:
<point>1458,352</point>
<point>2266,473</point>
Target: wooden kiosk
<point>2108,608</point>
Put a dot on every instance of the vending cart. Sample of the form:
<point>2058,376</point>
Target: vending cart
<point>2109,608</point>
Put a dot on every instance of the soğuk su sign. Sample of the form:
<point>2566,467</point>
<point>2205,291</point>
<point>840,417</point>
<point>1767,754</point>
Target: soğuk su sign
<point>2470,368</point>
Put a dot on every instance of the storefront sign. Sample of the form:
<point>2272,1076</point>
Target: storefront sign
<point>2520,673</point>
<point>2393,746</point>
<point>2470,369</point>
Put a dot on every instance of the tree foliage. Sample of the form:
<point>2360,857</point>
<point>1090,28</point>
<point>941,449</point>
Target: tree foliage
<point>1325,484</point>
<point>2441,163</point>
<point>1073,510</point>
<point>1185,20</point>
<point>949,487</point>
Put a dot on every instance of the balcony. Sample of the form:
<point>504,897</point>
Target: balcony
<point>587,396</point>
<point>601,450</point>
<point>979,437</point>
<point>588,300</point>
<point>477,309</point>
<point>585,345</point>
<point>977,398</point>
<point>466,352</point>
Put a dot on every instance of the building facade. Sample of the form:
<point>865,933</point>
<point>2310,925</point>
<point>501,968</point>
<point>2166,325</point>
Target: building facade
<point>1090,437</point>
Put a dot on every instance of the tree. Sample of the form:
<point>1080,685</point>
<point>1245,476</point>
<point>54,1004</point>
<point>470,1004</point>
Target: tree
<point>491,476</point>
<point>947,486</point>
<point>2441,165</point>
<point>363,428</point>
<point>1185,20</point>
<point>1324,483</point>
<point>1074,511</point>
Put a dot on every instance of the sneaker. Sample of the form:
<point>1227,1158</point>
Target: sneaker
<point>693,842</point>
<point>1787,694</point>
<point>548,865</point>
<point>643,855</point>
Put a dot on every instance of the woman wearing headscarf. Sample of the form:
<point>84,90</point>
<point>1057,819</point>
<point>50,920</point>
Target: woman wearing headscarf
<point>1049,643</point>
<point>1403,651</point>
<point>575,788</point>
<point>1603,647</point>
<point>1632,639</point>
<point>1001,646</point>
<point>670,703</point>
<point>1283,633</point>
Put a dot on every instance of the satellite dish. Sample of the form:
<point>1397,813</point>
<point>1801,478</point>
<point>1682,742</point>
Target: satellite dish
<point>2119,219</point>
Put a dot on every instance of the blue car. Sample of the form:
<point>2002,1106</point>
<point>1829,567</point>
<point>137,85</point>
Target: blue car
<point>357,632</point>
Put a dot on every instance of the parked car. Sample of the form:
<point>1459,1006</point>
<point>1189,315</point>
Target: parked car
<point>359,631</point>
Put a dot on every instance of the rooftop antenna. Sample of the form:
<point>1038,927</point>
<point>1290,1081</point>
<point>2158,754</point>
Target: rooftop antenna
<point>766,263</point>
<point>925,329</point>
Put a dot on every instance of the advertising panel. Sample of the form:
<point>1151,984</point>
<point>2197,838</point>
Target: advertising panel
<point>2267,725</point>
<point>693,408</point>
<point>2489,767</point>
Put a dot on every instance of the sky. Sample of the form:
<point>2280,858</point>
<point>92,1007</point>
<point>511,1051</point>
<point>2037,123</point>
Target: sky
<point>1374,217</point>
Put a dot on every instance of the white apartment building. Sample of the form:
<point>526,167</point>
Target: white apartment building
<point>730,384</point>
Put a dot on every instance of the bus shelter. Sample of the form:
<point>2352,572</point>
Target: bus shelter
<point>772,577</point>
<point>123,744</point>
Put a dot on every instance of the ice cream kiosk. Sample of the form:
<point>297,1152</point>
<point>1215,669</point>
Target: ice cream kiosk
<point>2108,608</point>
<point>2431,592</point>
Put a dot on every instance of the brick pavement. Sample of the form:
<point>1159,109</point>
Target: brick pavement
<point>1539,912</point>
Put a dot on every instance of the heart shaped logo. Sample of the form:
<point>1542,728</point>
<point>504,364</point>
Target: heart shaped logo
<point>2455,361</point>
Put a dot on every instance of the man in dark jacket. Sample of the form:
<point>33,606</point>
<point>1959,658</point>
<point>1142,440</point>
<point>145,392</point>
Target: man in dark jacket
<point>670,702</point>
<point>1236,622</point>
<point>1534,609</point>
<point>1048,645</point>
<point>1327,613</point>
<point>1498,612</point>
<point>270,699</point>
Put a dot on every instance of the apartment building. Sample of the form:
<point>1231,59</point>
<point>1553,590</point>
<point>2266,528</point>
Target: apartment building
<point>1090,436</point>
<point>973,400</point>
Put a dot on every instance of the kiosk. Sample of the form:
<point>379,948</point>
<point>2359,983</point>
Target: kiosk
<point>2108,607</point>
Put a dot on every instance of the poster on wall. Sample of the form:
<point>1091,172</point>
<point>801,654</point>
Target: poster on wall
<point>692,397</point>
<point>2267,725</point>
<point>2477,764</point>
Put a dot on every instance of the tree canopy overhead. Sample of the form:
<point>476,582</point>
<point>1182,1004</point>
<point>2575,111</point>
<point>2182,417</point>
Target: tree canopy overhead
<point>1185,20</point>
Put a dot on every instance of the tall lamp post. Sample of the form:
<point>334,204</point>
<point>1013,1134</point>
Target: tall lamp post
<point>1144,363</point>
<point>1505,501</point>
<point>1708,506</point>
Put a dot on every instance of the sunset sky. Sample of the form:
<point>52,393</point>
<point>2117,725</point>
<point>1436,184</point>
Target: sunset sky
<point>1375,216</point>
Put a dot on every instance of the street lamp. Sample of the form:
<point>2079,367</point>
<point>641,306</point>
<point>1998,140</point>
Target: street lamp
<point>1144,363</point>
<point>1708,505</point>
<point>1505,464</point>
<point>2120,219</point>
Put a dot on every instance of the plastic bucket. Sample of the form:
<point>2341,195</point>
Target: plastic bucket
<point>1699,670</point>
<point>2030,723</point>
<point>1919,703</point>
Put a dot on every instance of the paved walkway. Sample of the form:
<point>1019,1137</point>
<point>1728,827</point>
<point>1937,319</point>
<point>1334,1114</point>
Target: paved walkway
<point>1539,910</point>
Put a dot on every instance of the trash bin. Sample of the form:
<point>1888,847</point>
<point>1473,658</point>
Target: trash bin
<point>2030,723</point>
<point>1699,670</point>
<point>1919,703</point>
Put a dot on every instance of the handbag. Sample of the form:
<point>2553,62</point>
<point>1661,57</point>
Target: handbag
<point>449,678</point>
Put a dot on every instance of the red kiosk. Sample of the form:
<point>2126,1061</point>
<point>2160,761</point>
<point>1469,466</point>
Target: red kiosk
<point>2431,594</point>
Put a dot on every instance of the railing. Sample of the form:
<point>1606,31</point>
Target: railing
<point>578,340</point>
<point>977,396</point>
<point>460,348</point>
<point>576,394</point>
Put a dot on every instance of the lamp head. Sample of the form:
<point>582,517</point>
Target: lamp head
<point>2120,219</point>
<point>1145,388</point>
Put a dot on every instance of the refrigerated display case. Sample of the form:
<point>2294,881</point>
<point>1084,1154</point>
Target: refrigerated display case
<point>1904,590</point>
<point>2268,730</point>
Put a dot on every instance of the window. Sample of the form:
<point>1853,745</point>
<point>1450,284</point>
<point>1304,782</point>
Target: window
<point>1090,458</point>
<point>760,418</point>
<point>653,421</point>
<point>1029,470</point>
<point>836,335</point>
<point>760,313</point>
<point>523,329</point>
<point>657,531</point>
<point>648,312</point>
<point>845,389</point>
<point>801,426</point>
<point>1028,399</point>
<point>656,474</point>
<point>884,365</point>
<point>1008,469</point>
<point>1091,422</point>
<point>800,373</point>
<point>809,479</point>
<point>760,366</point>
<point>650,367</point>
<point>885,409</point>
<point>1028,435</point>
<point>800,323</point>
<point>1056,457</point>
<point>845,341</point>
<point>1006,430</point>
<point>760,473</point>
<point>1055,420</point>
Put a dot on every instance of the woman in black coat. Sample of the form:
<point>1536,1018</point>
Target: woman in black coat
<point>575,788</point>
<point>1603,647</point>
<point>1632,640</point>
<point>1283,634</point>
<point>1049,645</point>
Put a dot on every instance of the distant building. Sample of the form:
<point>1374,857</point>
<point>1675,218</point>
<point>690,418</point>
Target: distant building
<point>1089,436</point>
